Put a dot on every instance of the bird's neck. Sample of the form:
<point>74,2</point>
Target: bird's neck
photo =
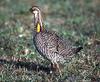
<point>38,23</point>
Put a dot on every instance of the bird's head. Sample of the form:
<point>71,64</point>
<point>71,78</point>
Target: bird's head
<point>37,18</point>
<point>35,10</point>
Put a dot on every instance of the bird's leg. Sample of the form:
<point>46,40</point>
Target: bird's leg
<point>56,67</point>
<point>59,70</point>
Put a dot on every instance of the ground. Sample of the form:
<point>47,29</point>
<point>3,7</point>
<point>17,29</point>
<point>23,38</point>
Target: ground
<point>77,20</point>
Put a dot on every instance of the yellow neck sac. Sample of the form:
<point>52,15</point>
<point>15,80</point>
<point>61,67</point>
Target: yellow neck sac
<point>38,28</point>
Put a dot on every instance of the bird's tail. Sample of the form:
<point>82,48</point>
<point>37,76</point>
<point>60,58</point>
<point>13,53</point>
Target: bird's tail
<point>78,49</point>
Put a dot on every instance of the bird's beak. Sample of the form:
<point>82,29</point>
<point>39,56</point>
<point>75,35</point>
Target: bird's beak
<point>31,10</point>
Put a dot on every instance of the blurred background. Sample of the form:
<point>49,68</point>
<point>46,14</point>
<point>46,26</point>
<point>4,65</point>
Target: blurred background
<point>77,20</point>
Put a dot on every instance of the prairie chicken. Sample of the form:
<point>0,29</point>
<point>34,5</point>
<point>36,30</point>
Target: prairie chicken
<point>49,44</point>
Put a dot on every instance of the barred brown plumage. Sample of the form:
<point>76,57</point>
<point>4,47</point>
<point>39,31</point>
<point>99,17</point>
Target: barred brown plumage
<point>49,44</point>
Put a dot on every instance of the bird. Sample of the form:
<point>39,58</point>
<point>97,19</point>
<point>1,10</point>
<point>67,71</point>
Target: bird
<point>49,44</point>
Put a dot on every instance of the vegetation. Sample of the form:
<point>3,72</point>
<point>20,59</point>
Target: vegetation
<point>77,20</point>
